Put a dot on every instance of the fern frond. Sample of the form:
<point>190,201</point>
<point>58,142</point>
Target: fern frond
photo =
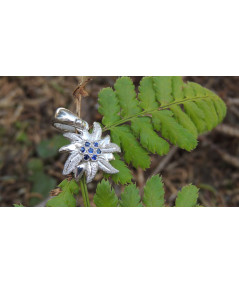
<point>133,152</point>
<point>130,197</point>
<point>154,192</point>
<point>165,110</point>
<point>187,197</point>
<point>105,196</point>
<point>124,175</point>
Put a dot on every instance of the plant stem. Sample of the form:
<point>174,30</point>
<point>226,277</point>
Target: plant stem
<point>84,191</point>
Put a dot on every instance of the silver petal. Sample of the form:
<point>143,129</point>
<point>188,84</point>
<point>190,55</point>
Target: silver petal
<point>73,136</point>
<point>106,167</point>
<point>108,156</point>
<point>105,141</point>
<point>72,162</point>
<point>110,148</point>
<point>67,148</point>
<point>85,135</point>
<point>91,171</point>
<point>97,132</point>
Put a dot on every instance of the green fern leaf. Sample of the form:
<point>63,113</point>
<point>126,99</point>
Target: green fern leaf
<point>167,105</point>
<point>183,119</point>
<point>105,196</point>
<point>147,94</point>
<point>154,192</point>
<point>66,197</point>
<point>187,197</point>
<point>163,89</point>
<point>177,88</point>
<point>124,175</point>
<point>170,129</point>
<point>130,197</point>
<point>134,153</point>
<point>124,89</point>
<point>109,106</point>
<point>196,115</point>
<point>149,139</point>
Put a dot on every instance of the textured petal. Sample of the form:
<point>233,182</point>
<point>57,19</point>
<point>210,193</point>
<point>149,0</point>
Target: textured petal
<point>72,162</point>
<point>108,156</point>
<point>91,171</point>
<point>73,136</point>
<point>105,141</point>
<point>85,135</point>
<point>67,148</point>
<point>110,148</point>
<point>97,132</point>
<point>106,167</point>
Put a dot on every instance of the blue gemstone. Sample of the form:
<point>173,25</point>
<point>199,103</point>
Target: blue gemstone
<point>86,157</point>
<point>87,144</point>
<point>98,151</point>
<point>79,170</point>
<point>82,149</point>
<point>90,150</point>
<point>94,157</point>
<point>96,144</point>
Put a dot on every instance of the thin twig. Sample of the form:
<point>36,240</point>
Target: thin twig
<point>80,92</point>
<point>165,161</point>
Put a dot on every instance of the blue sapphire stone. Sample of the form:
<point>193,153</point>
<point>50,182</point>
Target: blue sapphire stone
<point>90,150</point>
<point>86,157</point>
<point>98,151</point>
<point>94,157</point>
<point>96,144</point>
<point>79,170</point>
<point>82,149</point>
<point>87,144</point>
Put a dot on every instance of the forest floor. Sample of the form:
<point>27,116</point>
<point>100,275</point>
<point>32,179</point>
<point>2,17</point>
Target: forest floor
<point>31,166</point>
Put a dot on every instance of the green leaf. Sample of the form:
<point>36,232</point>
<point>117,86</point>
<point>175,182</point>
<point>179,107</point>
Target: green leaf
<point>133,152</point>
<point>126,94</point>
<point>130,197</point>
<point>18,205</point>
<point>66,197</point>
<point>183,119</point>
<point>147,94</point>
<point>154,192</point>
<point>163,89</point>
<point>196,115</point>
<point>109,106</point>
<point>178,111</point>
<point>124,176</point>
<point>35,165</point>
<point>187,197</point>
<point>49,148</point>
<point>105,196</point>
<point>177,87</point>
<point>173,131</point>
<point>143,128</point>
<point>41,183</point>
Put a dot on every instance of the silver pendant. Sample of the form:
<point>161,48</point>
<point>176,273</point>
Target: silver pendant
<point>88,151</point>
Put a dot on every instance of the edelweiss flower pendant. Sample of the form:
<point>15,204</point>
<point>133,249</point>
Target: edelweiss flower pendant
<point>88,151</point>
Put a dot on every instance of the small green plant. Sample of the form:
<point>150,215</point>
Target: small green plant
<point>165,111</point>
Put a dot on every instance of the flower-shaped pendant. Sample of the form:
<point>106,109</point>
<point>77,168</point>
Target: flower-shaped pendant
<point>88,151</point>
